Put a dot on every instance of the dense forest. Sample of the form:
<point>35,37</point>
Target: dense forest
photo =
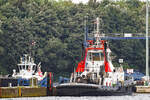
<point>57,31</point>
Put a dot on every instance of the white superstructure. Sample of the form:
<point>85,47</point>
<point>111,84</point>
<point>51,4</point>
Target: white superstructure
<point>27,69</point>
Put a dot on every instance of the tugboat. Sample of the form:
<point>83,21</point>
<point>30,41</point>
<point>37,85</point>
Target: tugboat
<point>28,72</point>
<point>28,69</point>
<point>95,75</point>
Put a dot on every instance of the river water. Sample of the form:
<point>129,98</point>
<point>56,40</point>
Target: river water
<point>127,97</point>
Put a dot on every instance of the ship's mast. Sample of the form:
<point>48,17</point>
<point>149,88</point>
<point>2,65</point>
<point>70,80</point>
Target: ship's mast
<point>97,35</point>
<point>97,20</point>
<point>85,30</point>
<point>147,47</point>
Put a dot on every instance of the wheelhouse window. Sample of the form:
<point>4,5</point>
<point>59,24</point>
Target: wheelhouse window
<point>95,56</point>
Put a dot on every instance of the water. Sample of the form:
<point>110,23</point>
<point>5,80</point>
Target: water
<point>133,97</point>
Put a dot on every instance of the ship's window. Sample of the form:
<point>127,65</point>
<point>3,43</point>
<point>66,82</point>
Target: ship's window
<point>95,75</point>
<point>95,56</point>
<point>98,56</point>
<point>89,56</point>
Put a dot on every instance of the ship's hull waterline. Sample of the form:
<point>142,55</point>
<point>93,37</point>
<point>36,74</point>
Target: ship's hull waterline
<point>81,89</point>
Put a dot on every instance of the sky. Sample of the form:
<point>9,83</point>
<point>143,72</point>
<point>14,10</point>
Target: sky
<point>85,1</point>
<point>78,1</point>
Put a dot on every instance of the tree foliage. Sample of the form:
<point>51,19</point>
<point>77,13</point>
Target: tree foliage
<point>58,30</point>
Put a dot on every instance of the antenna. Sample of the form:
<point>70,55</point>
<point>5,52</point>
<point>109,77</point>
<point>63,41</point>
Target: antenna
<point>97,34</point>
<point>85,30</point>
<point>97,20</point>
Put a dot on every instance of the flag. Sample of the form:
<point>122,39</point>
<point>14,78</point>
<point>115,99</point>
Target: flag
<point>33,43</point>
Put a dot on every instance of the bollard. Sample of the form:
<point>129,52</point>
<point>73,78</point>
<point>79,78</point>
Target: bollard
<point>19,91</point>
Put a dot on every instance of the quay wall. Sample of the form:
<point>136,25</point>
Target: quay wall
<point>142,89</point>
<point>12,92</point>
